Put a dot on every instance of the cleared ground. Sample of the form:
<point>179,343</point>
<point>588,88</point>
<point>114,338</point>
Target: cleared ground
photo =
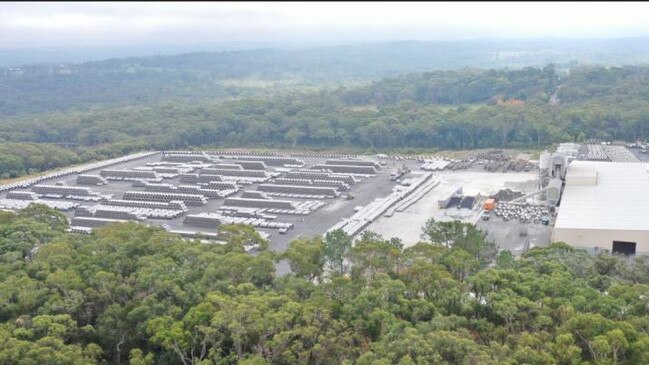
<point>407,225</point>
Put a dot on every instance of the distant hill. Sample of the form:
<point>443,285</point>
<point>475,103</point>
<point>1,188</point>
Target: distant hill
<point>235,74</point>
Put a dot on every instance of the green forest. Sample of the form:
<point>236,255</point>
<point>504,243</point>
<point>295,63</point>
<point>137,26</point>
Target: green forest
<point>441,110</point>
<point>133,294</point>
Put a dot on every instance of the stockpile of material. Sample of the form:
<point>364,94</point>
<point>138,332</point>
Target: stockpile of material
<point>254,195</point>
<point>360,170</point>
<point>118,174</point>
<point>222,185</point>
<point>63,190</point>
<point>314,175</point>
<point>189,199</point>
<point>242,173</point>
<point>121,213</point>
<point>91,180</point>
<point>172,205</point>
<point>199,179</point>
<point>187,158</point>
<point>260,203</point>
<point>272,160</point>
<point>252,165</point>
<point>353,163</point>
<point>378,207</point>
<point>22,195</point>
<point>619,154</point>
<point>227,166</point>
<point>93,222</point>
<point>15,204</point>
<point>303,190</point>
<point>74,170</point>
<point>213,220</point>
<point>184,189</point>
<point>596,153</point>
<point>524,213</point>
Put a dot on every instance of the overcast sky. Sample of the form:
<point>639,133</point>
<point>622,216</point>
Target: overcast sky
<point>108,24</point>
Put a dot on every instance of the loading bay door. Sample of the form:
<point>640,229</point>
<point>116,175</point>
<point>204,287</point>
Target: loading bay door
<point>626,248</point>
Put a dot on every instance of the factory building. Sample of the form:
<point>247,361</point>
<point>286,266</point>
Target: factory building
<point>605,205</point>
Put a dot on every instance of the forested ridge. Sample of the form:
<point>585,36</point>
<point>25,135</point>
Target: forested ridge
<point>54,84</point>
<point>134,294</point>
<point>531,107</point>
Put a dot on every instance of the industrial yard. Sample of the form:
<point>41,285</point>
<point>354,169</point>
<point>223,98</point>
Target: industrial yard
<point>282,196</point>
<point>513,199</point>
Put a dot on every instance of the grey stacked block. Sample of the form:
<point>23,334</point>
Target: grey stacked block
<point>62,190</point>
<point>196,178</point>
<point>254,195</point>
<point>93,222</point>
<point>353,163</point>
<point>221,185</point>
<point>241,173</point>
<point>172,205</point>
<point>128,174</point>
<point>260,203</point>
<point>91,180</point>
<point>252,165</point>
<point>289,181</point>
<point>116,214</point>
<point>228,166</point>
<point>186,157</point>
<point>183,189</point>
<point>331,183</point>
<point>22,195</point>
<point>363,170</point>
<point>316,175</point>
<point>189,199</point>
<point>307,182</point>
<point>201,220</point>
<point>292,189</point>
<point>272,160</point>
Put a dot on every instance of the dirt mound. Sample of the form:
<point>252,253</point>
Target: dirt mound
<point>506,195</point>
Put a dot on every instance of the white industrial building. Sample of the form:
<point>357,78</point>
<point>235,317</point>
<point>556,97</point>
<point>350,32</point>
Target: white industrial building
<point>605,205</point>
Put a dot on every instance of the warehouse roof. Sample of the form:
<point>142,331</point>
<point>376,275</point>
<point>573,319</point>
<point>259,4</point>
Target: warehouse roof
<point>619,200</point>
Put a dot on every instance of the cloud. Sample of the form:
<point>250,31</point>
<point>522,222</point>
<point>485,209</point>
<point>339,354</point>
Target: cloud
<point>51,24</point>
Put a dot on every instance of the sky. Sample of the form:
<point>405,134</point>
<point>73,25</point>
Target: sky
<point>89,24</point>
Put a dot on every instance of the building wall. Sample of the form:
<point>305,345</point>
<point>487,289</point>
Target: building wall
<point>602,238</point>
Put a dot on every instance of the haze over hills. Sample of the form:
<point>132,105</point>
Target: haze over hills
<point>234,74</point>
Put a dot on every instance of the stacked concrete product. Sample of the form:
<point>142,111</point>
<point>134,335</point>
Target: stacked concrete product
<point>315,175</point>
<point>189,199</point>
<point>222,185</point>
<point>260,203</point>
<point>127,174</point>
<point>109,213</point>
<point>199,178</point>
<point>93,222</point>
<point>361,170</point>
<point>15,204</point>
<point>184,189</point>
<point>63,190</point>
<point>252,165</point>
<point>227,166</point>
<point>242,173</point>
<point>317,183</point>
<point>186,158</point>
<point>202,220</point>
<point>74,170</point>
<point>254,195</point>
<point>353,163</point>
<point>292,189</point>
<point>172,205</point>
<point>91,180</point>
<point>271,160</point>
<point>22,195</point>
